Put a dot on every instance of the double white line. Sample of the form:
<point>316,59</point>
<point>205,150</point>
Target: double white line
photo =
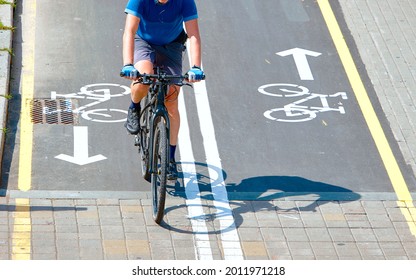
<point>229,237</point>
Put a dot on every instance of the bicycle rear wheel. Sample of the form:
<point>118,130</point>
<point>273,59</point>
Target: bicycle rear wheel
<point>160,168</point>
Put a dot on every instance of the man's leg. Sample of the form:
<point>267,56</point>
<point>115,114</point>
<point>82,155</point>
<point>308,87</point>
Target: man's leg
<point>171,104</point>
<point>138,92</point>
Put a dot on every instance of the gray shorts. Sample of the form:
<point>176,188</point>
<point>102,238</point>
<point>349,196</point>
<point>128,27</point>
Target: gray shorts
<point>169,56</point>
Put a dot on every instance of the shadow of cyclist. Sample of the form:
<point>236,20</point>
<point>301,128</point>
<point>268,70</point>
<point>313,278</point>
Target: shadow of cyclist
<point>261,188</point>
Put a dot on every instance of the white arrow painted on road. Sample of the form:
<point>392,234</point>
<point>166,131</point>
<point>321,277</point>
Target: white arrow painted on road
<point>299,55</point>
<point>80,148</point>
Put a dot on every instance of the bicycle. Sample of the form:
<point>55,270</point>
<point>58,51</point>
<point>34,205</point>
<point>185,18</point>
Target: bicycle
<point>153,137</point>
<point>294,111</point>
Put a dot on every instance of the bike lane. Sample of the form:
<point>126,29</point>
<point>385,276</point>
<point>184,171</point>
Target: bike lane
<point>288,122</point>
<point>79,103</point>
<point>263,159</point>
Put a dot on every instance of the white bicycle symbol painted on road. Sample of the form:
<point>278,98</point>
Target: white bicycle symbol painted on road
<point>99,93</point>
<point>294,112</point>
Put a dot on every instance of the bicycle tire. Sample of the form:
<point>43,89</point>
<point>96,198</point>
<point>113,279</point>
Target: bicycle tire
<point>144,141</point>
<point>160,169</point>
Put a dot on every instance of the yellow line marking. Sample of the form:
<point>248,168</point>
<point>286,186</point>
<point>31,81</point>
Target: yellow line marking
<point>373,123</point>
<point>28,85</point>
<point>21,243</point>
<point>21,240</point>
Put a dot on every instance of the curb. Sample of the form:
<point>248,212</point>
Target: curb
<point>6,16</point>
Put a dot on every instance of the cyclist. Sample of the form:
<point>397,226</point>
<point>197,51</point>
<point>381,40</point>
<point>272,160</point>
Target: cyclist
<point>154,36</point>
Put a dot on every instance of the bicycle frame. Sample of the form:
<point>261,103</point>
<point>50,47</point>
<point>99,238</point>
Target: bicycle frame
<point>158,89</point>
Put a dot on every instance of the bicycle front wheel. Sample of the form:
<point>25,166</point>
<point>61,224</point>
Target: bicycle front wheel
<point>160,168</point>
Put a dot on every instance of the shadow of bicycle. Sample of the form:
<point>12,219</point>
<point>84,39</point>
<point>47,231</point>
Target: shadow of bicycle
<point>266,189</point>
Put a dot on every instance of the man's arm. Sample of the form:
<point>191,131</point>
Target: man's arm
<point>192,29</point>
<point>132,23</point>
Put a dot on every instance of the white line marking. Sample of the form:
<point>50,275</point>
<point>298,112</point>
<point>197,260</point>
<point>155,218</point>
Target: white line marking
<point>229,236</point>
<point>195,212</point>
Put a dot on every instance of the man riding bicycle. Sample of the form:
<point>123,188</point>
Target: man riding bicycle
<point>154,36</point>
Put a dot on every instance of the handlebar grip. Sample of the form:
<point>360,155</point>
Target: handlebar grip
<point>186,77</point>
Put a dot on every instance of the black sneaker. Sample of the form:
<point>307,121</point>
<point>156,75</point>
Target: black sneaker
<point>133,122</point>
<point>172,171</point>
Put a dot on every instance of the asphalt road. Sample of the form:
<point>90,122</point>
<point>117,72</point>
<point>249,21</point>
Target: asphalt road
<point>281,113</point>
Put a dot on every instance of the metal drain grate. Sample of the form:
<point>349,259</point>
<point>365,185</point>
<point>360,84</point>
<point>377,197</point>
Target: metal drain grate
<point>52,111</point>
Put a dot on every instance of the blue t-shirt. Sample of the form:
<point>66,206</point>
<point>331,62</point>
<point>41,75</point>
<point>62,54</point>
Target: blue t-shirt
<point>161,24</point>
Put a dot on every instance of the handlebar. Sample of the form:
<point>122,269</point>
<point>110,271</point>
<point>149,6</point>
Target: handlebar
<point>162,76</point>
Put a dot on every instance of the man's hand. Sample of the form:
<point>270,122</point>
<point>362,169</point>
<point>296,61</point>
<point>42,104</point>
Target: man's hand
<point>195,74</point>
<point>128,71</point>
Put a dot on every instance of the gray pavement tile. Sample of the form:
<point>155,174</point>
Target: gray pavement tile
<point>268,214</point>
<point>307,206</point>
<point>329,207</point>
<point>136,235</point>
<point>295,234</point>
<point>373,206</point>
<point>275,254</point>
<point>268,223</point>
<point>347,250</point>
<point>135,228</point>
<point>112,232</point>
<point>115,249</point>
<point>88,221</point>
<point>323,249</point>
<point>161,250</point>
<point>250,234</point>
<point>112,211</point>
<point>369,249</point>
<point>128,202</point>
<point>66,228</point>
<point>303,249</point>
<point>352,207</point>
<point>386,235</point>
<point>272,234</point>
<point>89,228</point>
<point>318,234</point>
<point>66,236</point>
<point>247,219</point>
<point>63,203</point>
<point>68,255</point>
<point>111,222</point>
<point>85,202</point>
<point>363,235</point>
<point>290,220</point>
<point>184,250</point>
<point>335,220</point>
<point>393,250</point>
<point>410,248</point>
<point>405,235</point>
<point>41,202</point>
<point>44,256</point>
<point>312,220</point>
<point>395,214</point>
<point>154,233</point>
<point>341,234</point>
<point>108,202</point>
